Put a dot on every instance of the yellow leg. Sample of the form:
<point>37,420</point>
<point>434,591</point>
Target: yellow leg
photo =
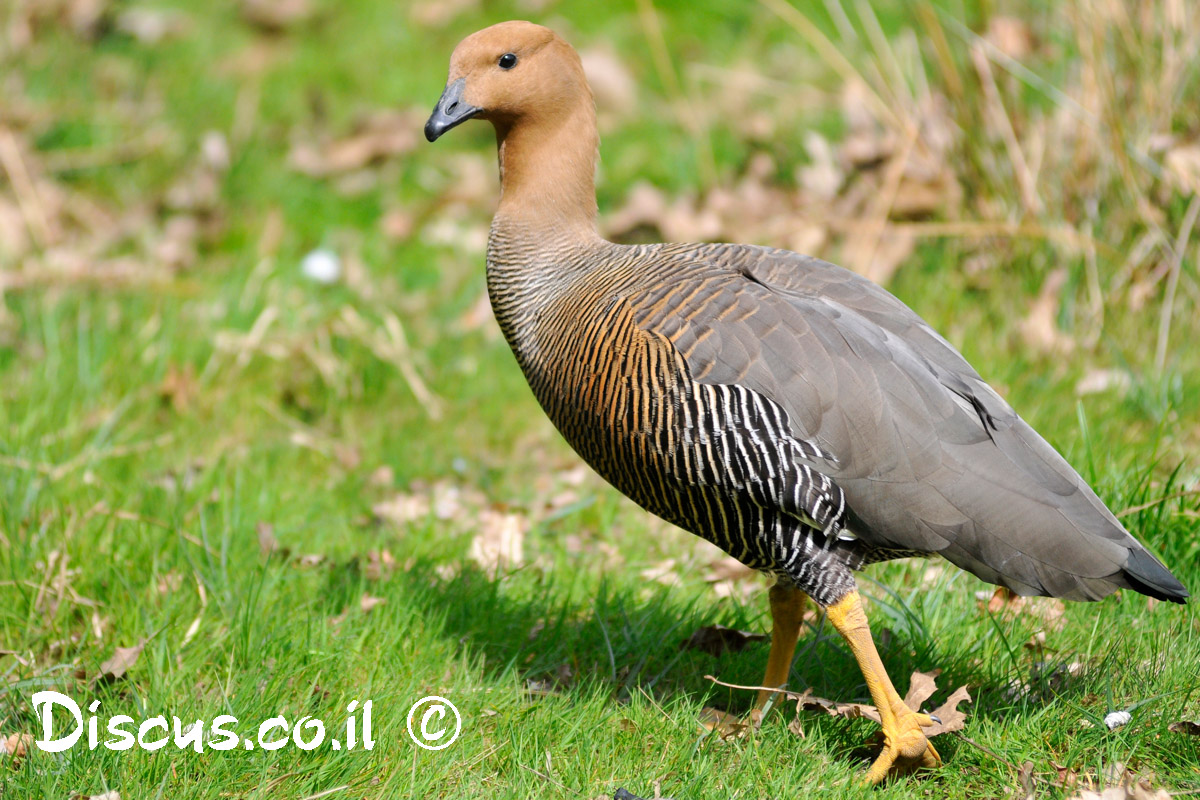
<point>787,615</point>
<point>903,741</point>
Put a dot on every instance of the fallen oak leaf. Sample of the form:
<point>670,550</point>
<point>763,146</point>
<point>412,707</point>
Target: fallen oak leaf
<point>920,688</point>
<point>1185,726</point>
<point>716,639</point>
<point>807,701</point>
<point>951,719</point>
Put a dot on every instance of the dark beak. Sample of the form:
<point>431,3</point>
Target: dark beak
<point>450,111</point>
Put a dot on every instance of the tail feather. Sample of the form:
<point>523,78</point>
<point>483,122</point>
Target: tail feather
<point>1147,575</point>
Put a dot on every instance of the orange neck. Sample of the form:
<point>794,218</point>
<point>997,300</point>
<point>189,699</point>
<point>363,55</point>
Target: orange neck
<point>548,169</point>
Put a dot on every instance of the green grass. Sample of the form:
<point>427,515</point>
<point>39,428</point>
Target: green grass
<point>126,517</point>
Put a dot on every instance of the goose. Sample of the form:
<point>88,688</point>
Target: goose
<point>789,411</point>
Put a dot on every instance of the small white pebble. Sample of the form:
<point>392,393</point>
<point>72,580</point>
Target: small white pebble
<point>214,148</point>
<point>322,266</point>
<point>1116,719</point>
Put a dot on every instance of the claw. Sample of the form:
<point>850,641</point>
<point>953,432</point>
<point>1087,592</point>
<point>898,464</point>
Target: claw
<point>904,747</point>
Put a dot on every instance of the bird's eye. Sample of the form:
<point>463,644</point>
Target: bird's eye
<point>508,61</point>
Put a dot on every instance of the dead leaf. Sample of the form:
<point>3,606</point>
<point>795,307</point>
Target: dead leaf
<point>722,723</point>
<point>730,577</point>
<point>397,224</point>
<point>716,639</point>
<point>921,687</point>
<point>439,13</point>
<point>168,582</point>
<point>1134,792</point>
<point>152,25</point>
<point>1040,328</point>
<point>1185,726</point>
<point>380,564</point>
<point>122,659</point>
<point>15,747</point>
<point>951,718</point>
<point>176,245</point>
<point>1008,604</point>
<point>499,544</point>
<point>276,16</point>
<point>728,568</point>
<point>1025,776</point>
<point>1182,167</point>
<point>823,177</point>
<point>267,543</point>
<point>807,701</point>
<point>111,794</point>
<point>379,136</point>
<point>383,477</point>
<point>1102,380</point>
<point>1011,36</point>
<point>402,508</point>
<point>612,84</point>
<point>663,572</point>
<point>367,603</point>
<point>179,387</point>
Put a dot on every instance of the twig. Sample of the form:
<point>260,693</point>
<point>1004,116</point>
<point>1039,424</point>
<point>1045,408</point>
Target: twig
<point>326,792</point>
<point>991,753</point>
<point>774,689</point>
<point>25,189</point>
<point>1181,243</point>
<point>654,703</point>
<point>1063,234</point>
<point>1143,506</point>
<point>547,778</point>
<point>117,451</point>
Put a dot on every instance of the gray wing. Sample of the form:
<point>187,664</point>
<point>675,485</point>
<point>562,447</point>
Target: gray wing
<point>928,456</point>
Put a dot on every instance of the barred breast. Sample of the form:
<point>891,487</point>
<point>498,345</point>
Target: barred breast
<point>717,460</point>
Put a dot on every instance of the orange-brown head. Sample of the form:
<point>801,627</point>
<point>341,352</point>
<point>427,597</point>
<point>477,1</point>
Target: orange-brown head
<point>530,85</point>
<point>508,72</point>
